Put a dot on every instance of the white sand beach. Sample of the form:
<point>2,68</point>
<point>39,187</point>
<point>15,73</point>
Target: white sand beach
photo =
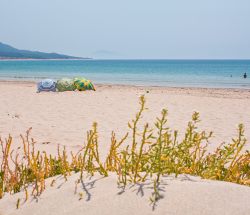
<point>64,118</point>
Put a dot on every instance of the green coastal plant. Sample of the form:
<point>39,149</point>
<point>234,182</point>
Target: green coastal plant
<point>143,153</point>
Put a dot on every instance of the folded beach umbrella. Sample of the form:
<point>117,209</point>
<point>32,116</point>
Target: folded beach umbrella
<point>46,85</point>
<point>65,84</point>
<point>82,84</point>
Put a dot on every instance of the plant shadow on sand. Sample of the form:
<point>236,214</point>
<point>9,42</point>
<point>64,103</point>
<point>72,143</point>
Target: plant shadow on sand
<point>157,191</point>
<point>87,187</point>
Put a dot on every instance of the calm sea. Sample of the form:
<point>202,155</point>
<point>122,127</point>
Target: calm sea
<point>179,73</point>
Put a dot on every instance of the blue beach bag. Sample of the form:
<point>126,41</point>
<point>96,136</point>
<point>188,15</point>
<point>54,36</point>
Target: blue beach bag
<point>46,85</point>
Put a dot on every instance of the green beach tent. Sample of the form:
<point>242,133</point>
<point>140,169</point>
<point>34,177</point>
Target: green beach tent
<point>83,84</point>
<point>65,84</point>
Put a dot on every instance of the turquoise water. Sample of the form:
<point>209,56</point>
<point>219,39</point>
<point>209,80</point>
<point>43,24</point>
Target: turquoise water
<point>179,73</point>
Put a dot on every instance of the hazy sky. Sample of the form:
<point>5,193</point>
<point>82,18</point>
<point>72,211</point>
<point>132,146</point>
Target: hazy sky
<point>129,28</point>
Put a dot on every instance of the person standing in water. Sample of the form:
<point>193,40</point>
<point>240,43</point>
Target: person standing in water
<point>245,75</point>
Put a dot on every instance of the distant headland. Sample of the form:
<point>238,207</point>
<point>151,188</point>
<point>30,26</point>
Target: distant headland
<point>8,52</point>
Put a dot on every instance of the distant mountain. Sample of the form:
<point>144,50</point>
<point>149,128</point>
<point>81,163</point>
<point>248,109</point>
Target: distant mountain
<point>9,52</point>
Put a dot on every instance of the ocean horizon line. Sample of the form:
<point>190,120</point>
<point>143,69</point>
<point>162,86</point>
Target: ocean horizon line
<point>130,59</point>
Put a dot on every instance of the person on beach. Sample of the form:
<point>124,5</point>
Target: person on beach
<point>245,75</point>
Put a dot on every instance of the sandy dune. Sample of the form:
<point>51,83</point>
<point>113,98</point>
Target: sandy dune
<point>185,195</point>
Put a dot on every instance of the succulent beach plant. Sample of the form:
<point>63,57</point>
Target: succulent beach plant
<point>152,152</point>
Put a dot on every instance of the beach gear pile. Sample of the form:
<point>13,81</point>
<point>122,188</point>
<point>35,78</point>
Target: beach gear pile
<point>83,84</point>
<point>65,84</point>
<point>46,85</point>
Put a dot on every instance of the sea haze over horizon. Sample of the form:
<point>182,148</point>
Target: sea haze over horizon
<point>174,73</point>
<point>129,29</point>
